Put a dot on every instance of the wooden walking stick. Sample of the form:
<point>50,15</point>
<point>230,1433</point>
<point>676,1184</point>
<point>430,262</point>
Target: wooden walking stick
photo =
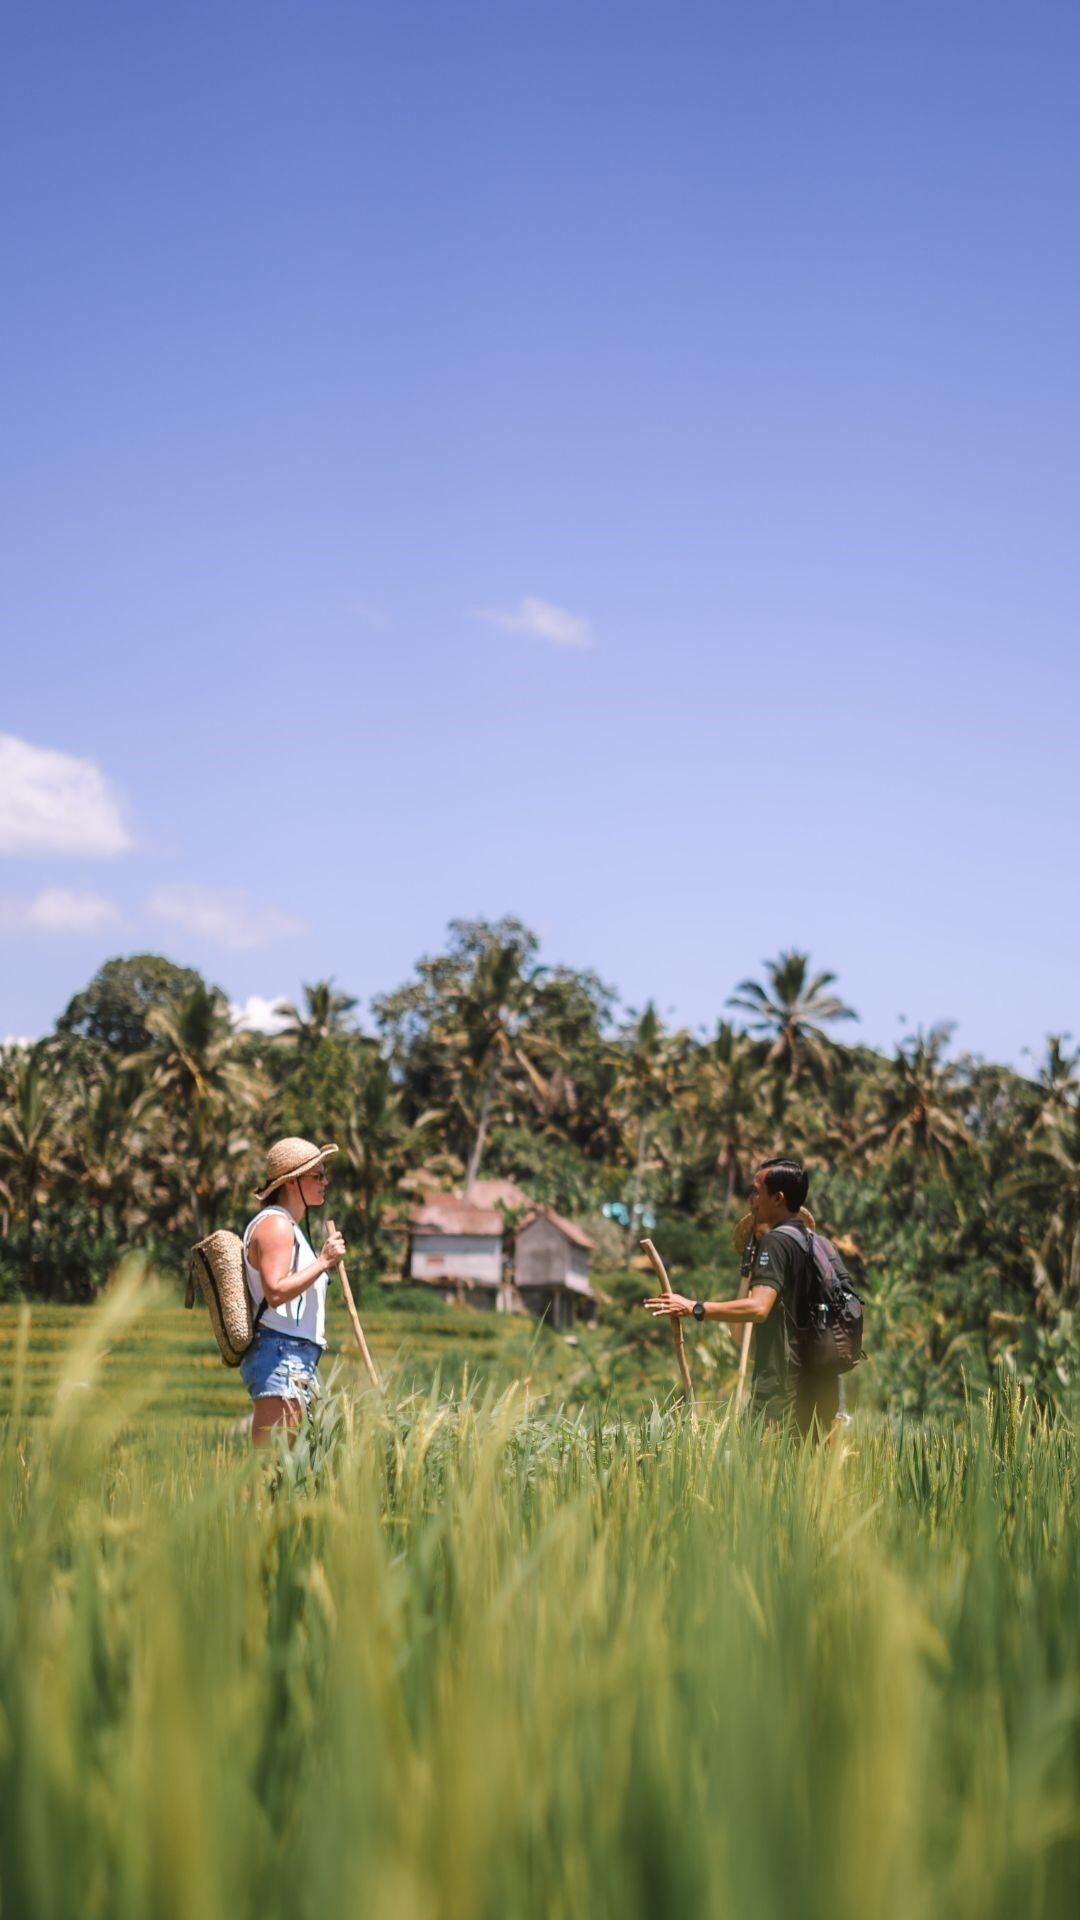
<point>743,1237</point>
<point>354,1317</point>
<point>660,1271</point>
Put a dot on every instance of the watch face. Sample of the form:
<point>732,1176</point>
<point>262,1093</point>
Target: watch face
<point>699,1309</point>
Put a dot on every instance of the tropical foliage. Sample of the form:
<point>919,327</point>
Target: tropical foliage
<point>953,1182</point>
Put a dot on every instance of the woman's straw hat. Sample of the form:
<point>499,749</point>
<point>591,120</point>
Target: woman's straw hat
<point>287,1159</point>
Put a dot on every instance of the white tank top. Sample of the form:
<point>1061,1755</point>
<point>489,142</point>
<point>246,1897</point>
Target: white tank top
<point>303,1318</point>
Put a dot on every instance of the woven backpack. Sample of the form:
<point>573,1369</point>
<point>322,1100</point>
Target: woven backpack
<point>217,1268</point>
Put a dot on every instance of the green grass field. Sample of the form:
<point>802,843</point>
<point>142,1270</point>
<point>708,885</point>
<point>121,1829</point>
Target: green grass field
<point>478,1656</point>
<point>168,1356</point>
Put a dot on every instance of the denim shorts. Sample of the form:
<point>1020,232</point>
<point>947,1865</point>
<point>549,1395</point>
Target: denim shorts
<point>278,1367</point>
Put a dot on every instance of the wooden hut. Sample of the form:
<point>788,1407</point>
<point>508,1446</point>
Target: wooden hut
<point>551,1269</point>
<point>456,1245</point>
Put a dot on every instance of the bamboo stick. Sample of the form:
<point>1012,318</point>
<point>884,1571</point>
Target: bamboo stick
<point>744,1242</point>
<point>354,1317</point>
<point>660,1271</point>
<point>744,1350</point>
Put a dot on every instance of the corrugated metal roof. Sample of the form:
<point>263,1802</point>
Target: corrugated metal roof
<point>451,1213</point>
<point>448,1213</point>
<point>480,1214</point>
<point>490,1193</point>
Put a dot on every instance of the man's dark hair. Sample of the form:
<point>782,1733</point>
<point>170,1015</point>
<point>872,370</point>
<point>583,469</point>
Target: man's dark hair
<point>787,1177</point>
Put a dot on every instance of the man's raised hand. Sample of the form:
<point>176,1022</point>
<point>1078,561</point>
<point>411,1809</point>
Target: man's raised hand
<point>675,1304</point>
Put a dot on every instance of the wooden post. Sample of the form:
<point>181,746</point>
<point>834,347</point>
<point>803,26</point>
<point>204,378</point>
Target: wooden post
<point>660,1271</point>
<point>353,1316</point>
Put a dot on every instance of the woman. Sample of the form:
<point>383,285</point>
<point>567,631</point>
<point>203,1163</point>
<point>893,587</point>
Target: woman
<point>287,1283</point>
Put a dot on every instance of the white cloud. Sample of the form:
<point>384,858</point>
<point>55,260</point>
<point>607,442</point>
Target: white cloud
<point>58,910</point>
<point>51,802</point>
<point>256,1015</point>
<point>226,916</point>
<point>542,620</point>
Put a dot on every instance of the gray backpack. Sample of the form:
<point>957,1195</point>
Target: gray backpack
<point>828,1315</point>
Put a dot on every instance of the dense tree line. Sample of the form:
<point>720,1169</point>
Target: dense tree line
<point>955,1182</point>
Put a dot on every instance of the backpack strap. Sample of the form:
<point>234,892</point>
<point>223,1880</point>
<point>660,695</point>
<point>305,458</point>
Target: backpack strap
<point>795,1229</point>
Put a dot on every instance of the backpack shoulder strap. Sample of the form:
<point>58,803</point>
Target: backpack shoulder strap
<point>796,1230</point>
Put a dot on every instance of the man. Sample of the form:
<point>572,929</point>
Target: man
<point>774,1303</point>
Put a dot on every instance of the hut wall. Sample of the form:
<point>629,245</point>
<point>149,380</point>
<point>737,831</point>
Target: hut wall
<point>456,1256</point>
<point>543,1256</point>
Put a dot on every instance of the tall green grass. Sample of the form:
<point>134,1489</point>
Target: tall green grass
<point>452,1658</point>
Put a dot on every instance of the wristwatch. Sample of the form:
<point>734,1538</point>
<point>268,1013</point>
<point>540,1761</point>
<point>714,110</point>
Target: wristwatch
<point>699,1309</point>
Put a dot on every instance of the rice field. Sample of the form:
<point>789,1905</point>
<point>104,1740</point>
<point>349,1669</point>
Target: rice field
<point>461,1656</point>
<point>167,1361</point>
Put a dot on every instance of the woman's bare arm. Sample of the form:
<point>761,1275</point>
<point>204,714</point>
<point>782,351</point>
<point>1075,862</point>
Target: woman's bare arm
<point>271,1254</point>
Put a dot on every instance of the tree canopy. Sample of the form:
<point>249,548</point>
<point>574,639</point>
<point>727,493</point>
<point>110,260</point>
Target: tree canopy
<point>113,1009</point>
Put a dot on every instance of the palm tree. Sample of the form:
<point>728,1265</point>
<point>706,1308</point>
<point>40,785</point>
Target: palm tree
<point>831,1121</point>
<point>326,1012</point>
<point>715,1112</point>
<point>486,1036</point>
<point>1058,1080</point>
<point>33,1138</point>
<point>791,1014</point>
<point>379,1146</point>
<point>1048,1180</point>
<point>111,1138</point>
<point>646,1060</point>
<point>208,1091</point>
<point>921,1110</point>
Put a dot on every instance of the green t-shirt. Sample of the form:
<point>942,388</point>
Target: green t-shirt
<point>779,1262</point>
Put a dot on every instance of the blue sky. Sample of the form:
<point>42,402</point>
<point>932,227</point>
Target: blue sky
<point>613,465</point>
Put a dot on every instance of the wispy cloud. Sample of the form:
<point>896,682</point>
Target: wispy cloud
<point>58,910</point>
<point>52,803</point>
<point>226,916</point>
<point>256,1015</point>
<point>541,619</point>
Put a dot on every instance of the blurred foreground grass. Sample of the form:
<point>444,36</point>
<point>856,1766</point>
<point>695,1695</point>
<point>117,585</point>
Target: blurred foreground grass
<point>460,1659</point>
